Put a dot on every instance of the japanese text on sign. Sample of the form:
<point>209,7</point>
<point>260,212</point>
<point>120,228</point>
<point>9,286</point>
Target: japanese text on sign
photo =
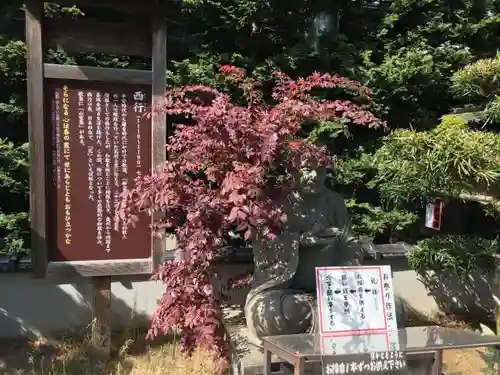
<point>68,229</point>
<point>390,361</point>
<point>334,344</point>
<point>100,143</point>
<point>139,107</point>
<point>354,299</point>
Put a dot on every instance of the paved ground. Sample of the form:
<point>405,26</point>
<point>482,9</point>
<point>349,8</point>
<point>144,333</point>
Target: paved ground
<point>467,362</point>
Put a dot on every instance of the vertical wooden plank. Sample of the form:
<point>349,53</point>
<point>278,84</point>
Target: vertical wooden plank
<point>37,139</point>
<point>437,366</point>
<point>298,368</point>
<point>496,296</point>
<point>101,311</point>
<point>267,360</point>
<point>159,122</point>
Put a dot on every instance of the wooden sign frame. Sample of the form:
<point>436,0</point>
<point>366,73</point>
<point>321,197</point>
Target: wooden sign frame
<point>82,39</point>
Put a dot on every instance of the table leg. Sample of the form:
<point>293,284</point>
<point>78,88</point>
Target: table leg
<point>437,366</point>
<point>267,362</point>
<point>497,359</point>
<point>298,368</point>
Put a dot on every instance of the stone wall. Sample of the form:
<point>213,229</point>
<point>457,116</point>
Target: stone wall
<point>30,306</point>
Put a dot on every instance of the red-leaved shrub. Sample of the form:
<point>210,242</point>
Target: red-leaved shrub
<point>228,163</point>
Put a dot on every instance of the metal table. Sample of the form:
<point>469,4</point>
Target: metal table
<point>298,350</point>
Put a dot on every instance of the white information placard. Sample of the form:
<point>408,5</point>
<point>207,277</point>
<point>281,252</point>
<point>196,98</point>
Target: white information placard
<point>381,342</point>
<point>356,299</point>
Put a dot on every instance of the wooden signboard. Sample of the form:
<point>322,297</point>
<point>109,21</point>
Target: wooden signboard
<point>89,141</point>
<point>100,142</point>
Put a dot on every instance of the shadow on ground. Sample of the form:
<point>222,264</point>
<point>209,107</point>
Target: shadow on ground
<point>75,356</point>
<point>31,311</point>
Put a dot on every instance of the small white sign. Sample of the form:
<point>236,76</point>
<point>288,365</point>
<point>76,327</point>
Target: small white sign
<point>381,342</point>
<point>355,300</point>
<point>433,213</point>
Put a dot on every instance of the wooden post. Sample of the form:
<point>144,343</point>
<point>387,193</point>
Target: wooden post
<point>101,311</point>
<point>159,120</point>
<point>37,136</point>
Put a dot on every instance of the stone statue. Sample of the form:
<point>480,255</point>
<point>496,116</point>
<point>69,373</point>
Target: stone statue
<point>282,299</point>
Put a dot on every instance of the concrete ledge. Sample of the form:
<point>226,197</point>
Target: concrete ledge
<point>228,254</point>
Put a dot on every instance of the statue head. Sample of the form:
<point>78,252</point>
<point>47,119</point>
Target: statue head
<point>310,180</point>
